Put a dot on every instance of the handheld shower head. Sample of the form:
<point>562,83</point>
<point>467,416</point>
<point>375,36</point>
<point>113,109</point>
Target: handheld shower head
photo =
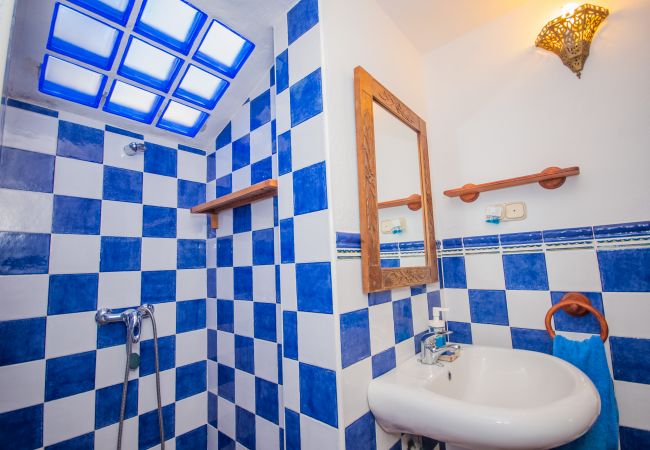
<point>134,148</point>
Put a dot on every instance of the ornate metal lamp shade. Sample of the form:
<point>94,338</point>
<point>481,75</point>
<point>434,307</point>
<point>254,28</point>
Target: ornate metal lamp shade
<point>569,36</point>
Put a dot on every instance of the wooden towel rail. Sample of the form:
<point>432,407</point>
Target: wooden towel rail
<point>576,305</point>
<point>414,202</point>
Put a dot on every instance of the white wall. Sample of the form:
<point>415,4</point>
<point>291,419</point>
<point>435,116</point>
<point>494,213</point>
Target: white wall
<point>6,20</point>
<point>498,107</point>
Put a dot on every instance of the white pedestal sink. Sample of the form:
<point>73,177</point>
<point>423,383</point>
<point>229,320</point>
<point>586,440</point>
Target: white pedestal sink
<point>489,398</point>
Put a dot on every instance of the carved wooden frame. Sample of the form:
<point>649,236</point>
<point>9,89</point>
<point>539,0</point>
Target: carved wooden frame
<point>375,278</point>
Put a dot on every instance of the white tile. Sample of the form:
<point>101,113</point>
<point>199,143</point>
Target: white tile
<point>211,253</point>
<point>348,285</point>
<point>267,434</point>
<point>382,331</point>
<point>225,287</point>
<point>491,335</point>
<point>315,435</point>
<point>290,376</point>
<point>119,289</point>
<point>29,130</point>
<point>282,112</point>
<point>280,35</point>
<point>81,120</point>
<point>573,270</point>
<point>484,271</point>
<point>242,249</point>
<point>527,309</point>
<point>386,441</point>
<point>226,417</point>
<point>191,284</point>
<point>244,318</point>
<point>68,417</point>
<point>241,122</point>
<point>213,438</point>
<point>226,348</point>
<point>223,161</point>
<point>420,313</point>
<point>121,219</point>
<point>191,347</point>
<point>22,385</point>
<point>211,313</point>
<point>304,55</point>
<point>25,211</point>
<point>158,254</point>
<point>73,253</point>
<point>627,313</point>
<point>264,283</point>
<point>266,360</point>
<point>191,413</point>
<point>241,178</point>
<point>285,197</point>
<point>354,390</point>
<point>401,292</point>
<point>288,287</point>
<point>159,190</point>
<point>165,315</point>
<point>23,296</point>
<point>225,223</point>
<point>261,143</point>
<point>147,396</point>
<point>308,143</point>
<point>457,301</point>
<point>245,390</point>
<point>109,365</point>
<point>114,152</point>
<point>210,190</point>
<point>106,438</point>
<point>306,227</point>
<point>262,85</point>
<point>213,377</point>
<point>633,404</point>
<point>78,178</point>
<point>404,350</point>
<point>190,226</point>
<point>262,214</point>
<point>191,166</point>
<point>316,345</point>
<point>68,334</point>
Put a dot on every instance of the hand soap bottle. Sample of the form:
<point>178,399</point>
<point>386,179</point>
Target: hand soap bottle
<point>438,325</point>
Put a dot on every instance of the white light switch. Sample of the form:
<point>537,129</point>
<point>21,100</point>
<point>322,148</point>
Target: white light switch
<point>515,211</point>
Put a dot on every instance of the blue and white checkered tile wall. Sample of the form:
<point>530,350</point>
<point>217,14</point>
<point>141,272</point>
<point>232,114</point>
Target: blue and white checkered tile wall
<point>82,227</point>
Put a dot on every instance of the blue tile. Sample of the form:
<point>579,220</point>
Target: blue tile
<point>160,160</point>
<point>420,289</point>
<point>224,251</point>
<point>318,394</point>
<point>190,315</point>
<point>166,355</point>
<point>383,362</point>
<point>120,254</point>
<point>223,185</point>
<point>377,298</point>
<point>158,222</point>
<point>461,332</point>
<point>243,283</point>
<point>148,427</point>
<point>241,152</point>
<point>244,354</point>
<point>69,375</point>
<point>224,442</point>
<point>630,359</point>
<point>622,230</point>
<point>226,382</point>
<point>260,110</point>
<point>266,400</point>
<point>80,142</point>
<point>30,107</point>
<point>187,148</point>
<point>212,283</point>
<point>124,132</point>
<point>274,134</point>
<point>314,287</point>
<point>584,324</point>
<point>213,410</point>
<point>568,234</point>
<point>634,439</point>
<point>72,293</point>
<point>348,240</point>
<point>263,247</point>
<point>301,18</point>
<point>403,319</point>
<point>262,170</point>
<point>290,334</point>
<point>212,345</point>
<point>287,251</point>
<point>191,380</point>
<point>83,442</point>
<point>310,189</point>
<point>264,321</point>
<point>24,253</point>
<point>433,299</point>
<point>453,243</point>
<point>211,167</point>
<point>67,219</point>
<point>108,403</point>
<point>122,185</point>
<point>30,333</point>
<point>190,193</point>
<point>292,425</point>
<point>245,427</point>
<point>110,336</point>
<point>481,241</point>
<point>241,219</point>
<point>279,362</point>
<point>361,434</point>
<point>527,238</point>
<point>190,254</point>
<point>225,137</point>
<point>26,171</point>
<point>158,286</point>
<point>525,271</point>
<point>282,71</point>
<point>625,270</point>
<point>306,98</point>
<point>196,439</point>
<point>488,306</point>
<point>226,315</point>
<point>453,272</point>
<point>389,263</point>
<point>23,428</point>
<point>355,337</point>
<point>272,76</point>
<point>535,340</point>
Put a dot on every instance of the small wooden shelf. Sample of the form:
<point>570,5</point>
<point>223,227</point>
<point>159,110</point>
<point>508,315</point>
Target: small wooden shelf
<point>259,191</point>
<point>414,202</point>
<point>549,178</point>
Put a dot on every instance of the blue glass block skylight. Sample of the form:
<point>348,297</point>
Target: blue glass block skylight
<point>115,10</point>
<point>182,119</point>
<point>81,37</point>
<point>200,87</point>
<point>149,65</point>
<point>173,23</point>
<point>71,82</point>
<point>132,102</point>
<point>223,49</point>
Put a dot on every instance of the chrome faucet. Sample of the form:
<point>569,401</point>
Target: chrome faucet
<point>429,351</point>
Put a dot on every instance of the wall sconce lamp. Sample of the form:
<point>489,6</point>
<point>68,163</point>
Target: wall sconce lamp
<point>569,36</point>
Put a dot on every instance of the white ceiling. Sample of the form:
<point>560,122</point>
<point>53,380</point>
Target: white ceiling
<point>252,18</point>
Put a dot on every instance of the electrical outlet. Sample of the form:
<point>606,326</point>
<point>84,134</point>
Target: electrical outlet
<point>515,211</point>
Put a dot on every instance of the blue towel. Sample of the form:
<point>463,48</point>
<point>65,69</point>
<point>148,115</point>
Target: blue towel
<point>589,356</point>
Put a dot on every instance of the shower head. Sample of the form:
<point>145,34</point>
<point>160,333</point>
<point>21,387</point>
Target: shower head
<point>134,148</point>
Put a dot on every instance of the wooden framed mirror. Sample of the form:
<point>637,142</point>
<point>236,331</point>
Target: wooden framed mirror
<point>398,245</point>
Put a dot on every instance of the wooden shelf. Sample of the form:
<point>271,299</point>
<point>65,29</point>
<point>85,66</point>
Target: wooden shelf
<point>414,202</point>
<point>259,191</point>
<point>549,178</point>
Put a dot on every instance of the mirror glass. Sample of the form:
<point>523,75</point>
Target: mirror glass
<point>399,191</point>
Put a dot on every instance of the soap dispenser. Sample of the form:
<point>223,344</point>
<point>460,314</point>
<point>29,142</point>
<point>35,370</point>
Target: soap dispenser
<point>438,325</point>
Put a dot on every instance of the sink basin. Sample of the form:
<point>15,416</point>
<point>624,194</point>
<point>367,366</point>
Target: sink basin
<point>488,398</point>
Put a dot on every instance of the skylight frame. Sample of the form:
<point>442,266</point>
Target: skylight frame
<point>155,35</point>
<point>120,17</point>
<point>202,102</point>
<point>229,71</point>
<point>130,113</point>
<point>66,93</point>
<point>68,49</point>
<point>178,128</point>
<point>140,77</point>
